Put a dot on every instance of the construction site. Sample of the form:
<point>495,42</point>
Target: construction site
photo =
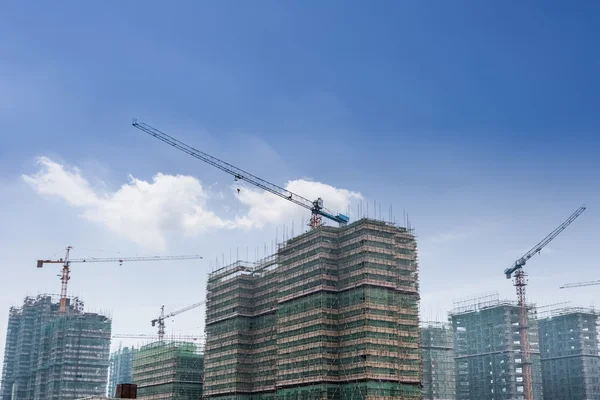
<point>53,355</point>
<point>120,368</point>
<point>569,354</point>
<point>168,371</point>
<point>437,349</point>
<point>334,314</point>
<point>488,357</point>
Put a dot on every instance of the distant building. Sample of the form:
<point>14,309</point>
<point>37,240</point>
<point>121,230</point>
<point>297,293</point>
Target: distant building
<point>489,365</point>
<point>169,370</point>
<point>52,356</point>
<point>569,353</point>
<point>437,349</point>
<point>120,368</point>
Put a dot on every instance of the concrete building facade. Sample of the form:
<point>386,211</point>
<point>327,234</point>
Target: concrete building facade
<point>120,368</point>
<point>570,355</point>
<point>487,351</point>
<point>437,349</point>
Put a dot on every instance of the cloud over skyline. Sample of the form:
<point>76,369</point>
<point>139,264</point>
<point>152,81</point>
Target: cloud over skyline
<point>147,212</point>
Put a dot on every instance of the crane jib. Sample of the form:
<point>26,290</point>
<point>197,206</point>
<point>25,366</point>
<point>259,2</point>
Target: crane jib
<point>240,174</point>
<point>538,247</point>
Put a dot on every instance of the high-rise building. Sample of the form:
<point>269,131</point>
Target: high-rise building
<point>168,371</point>
<point>437,349</point>
<point>332,315</point>
<point>51,355</point>
<point>120,368</point>
<point>489,364</point>
<point>569,353</point>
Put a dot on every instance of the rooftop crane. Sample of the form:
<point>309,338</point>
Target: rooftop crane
<point>318,211</point>
<point>67,261</point>
<point>579,284</point>
<point>520,282</point>
<point>160,320</point>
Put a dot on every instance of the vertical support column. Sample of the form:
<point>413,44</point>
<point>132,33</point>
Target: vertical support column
<point>520,283</point>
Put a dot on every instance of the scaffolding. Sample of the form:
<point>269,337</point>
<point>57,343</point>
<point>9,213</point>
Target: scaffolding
<point>168,371</point>
<point>120,368</point>
<point>332,315</point>
<point>23,343</point>
<point>437,348</point>
<point>74,363</point>
<point>488,358</point>
<point>569,354</point>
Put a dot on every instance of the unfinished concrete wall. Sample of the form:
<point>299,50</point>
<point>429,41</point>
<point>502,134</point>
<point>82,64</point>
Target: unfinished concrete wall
<point>487,347</point>
<point>569,353</point>
<point>334,314</point>
<point>437,349</point>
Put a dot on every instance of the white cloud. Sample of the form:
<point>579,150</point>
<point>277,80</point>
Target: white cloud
<point>146,212</point>
<point>266,208</point>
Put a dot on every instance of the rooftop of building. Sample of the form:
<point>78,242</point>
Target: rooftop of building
<point>269,263</point>
<point>566,311</point>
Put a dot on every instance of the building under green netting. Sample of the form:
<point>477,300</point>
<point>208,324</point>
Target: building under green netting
<point>55,356</point>
<point>168,371</point>
<point>334,314</point>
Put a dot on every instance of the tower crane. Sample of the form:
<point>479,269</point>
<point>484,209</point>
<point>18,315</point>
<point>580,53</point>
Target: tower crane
<point>67,261</point>
<point>516,271</point>
<point>318,211</point>
<point>154,337</point>
<point>160,320</point>
<point>579,284</point>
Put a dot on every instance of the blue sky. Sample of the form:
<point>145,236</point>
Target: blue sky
<point>477,118</point>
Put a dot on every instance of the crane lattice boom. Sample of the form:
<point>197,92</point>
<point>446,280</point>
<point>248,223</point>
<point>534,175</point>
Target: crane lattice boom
<point>67,261</point>
<point>579,284</point>
<point>520,283</point>
<point>538,247</point>
<point>154,337</point>
<point>316,207</point>
<point>160,320</point>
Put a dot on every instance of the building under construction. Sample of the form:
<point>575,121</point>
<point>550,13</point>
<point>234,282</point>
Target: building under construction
<point>332,315</point>
<point>120,368</point>
<point>437,350</point>
<point>51,355</point>
<point>489,364</point>
<point>569,353</point>
<point>168,371</point>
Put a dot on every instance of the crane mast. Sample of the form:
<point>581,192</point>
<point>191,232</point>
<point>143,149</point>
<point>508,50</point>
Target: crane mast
<point>67,261</point>
<point>318,211</point>
<point>520,282</point>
